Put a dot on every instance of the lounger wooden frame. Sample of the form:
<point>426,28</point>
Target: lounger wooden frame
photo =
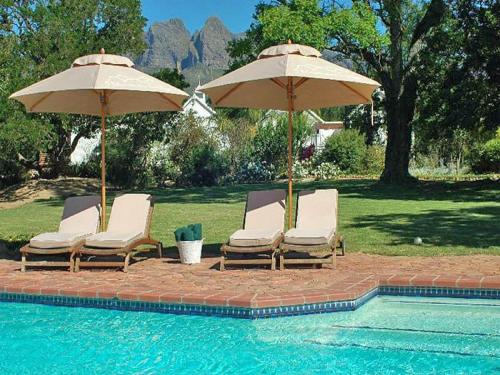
<point>126,252</point>
<point>269,249</point>
<point>254,250</point>
<point>27,249</point>
<point>330,248</point>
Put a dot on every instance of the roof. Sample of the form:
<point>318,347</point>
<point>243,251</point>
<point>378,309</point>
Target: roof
<point>329,125</point>
<point>194,99</point>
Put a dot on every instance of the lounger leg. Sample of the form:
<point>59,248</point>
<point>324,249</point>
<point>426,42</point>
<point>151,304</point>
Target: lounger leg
<point>77,263</point>
<point>222,268</point>
<point>282,260</point>
<point>334,257</point>
<point>23,262</point>
<point>159,247</point>
<point>273,261</point>
<point>125,265</point>
<point>71,262</point>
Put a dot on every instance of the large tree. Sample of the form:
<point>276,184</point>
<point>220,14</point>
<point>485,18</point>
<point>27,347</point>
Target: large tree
<point>460,74</point>
<point>387,35</point>
<point>43,37</point>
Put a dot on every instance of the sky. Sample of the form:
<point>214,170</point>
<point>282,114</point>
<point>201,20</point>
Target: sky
<point>236,14</point>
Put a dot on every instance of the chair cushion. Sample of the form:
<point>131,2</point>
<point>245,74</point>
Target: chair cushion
<point>315,236</point>
<point>81,215</point>
<point>130,213</point>
<point>254,237</point>
<point>53,240</point>
<point>265,209</point>
<point>317,209</point>
<point>112,240</point>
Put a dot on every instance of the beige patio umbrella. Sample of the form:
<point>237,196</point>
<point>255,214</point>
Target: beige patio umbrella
<point>101,85</point>
<point>290,77</point>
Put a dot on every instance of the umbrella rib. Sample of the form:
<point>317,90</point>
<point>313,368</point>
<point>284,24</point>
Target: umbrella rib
<point>176,106</point>
<point>354,91</point>
<point>279,83</point>
<point>228,93</point>
<point>40,100</point>
<point>301,82</point>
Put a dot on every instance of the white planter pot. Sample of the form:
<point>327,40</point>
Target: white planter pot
<point>190,251</point>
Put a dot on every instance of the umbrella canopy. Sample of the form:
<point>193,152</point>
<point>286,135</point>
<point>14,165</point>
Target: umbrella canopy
<point>290,77</point>
<point>101,85</point>
<point>79,89</point>
<point>317,83</point>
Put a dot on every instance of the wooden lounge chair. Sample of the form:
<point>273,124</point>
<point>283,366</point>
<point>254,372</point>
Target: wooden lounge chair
<point>262,230</point>
<point>80,219</point>
<point>128,229</point>
<point>316,230</point>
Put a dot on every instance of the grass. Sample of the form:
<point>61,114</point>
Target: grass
<point>452,218</point>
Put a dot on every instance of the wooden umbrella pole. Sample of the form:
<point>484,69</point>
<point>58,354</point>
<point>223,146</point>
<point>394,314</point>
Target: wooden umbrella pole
<point>290,144</point>
<point>103,162</point>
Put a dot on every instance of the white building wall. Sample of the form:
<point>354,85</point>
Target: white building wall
<point>84,148</point>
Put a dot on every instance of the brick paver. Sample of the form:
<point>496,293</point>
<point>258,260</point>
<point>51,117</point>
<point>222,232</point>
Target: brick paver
<point>166,280</point>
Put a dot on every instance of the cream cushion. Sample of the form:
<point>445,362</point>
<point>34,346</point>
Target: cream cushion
<point>316,218</point>
<point>265,210</point>
<point>128,222</point>
<point>54,240</point>
<point>315,236</point>
<point>80,219</point>
<point>112,239</point>
<point>254,237</point>
<point>317,209</point>
<point>81,215</point>
<point>129,214</point>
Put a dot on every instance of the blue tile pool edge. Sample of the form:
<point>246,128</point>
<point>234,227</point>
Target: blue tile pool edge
<point>245,312</point>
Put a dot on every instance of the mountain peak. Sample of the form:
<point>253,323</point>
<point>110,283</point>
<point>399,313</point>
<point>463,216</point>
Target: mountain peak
<point>211,43</point>
<point>214,21</point>
<point>177,22</point>
<point>170,45</point>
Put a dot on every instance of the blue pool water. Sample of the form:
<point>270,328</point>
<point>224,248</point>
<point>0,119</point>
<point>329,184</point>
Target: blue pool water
<point>388,335</point>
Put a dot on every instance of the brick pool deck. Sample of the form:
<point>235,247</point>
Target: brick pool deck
<point>166,280</point>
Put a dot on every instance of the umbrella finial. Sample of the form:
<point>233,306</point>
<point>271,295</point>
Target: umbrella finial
<point>289,41</point>
<point>102,51</point>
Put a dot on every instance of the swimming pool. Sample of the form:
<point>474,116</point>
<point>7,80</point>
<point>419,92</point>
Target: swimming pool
<point>387,335</point>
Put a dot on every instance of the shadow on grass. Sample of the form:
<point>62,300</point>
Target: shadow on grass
<point>476,227</point>
<point>464,191</point>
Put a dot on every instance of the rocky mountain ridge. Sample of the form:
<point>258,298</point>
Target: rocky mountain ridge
<point>200,57</point>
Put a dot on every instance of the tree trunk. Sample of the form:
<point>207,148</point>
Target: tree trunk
<point>60,155</point>
<point>397,152</point>
<point>400,86</point>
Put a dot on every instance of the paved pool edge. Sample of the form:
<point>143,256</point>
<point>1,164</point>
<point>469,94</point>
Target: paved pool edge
<point>251,312</point>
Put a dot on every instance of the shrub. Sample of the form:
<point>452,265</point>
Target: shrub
<point>256,171</point>
<point>486,158</point>
<point>159,166</point>
<point>21,141</point>
<point>307,152</point>
<point>271,140</point>
<point>325,171</point>
<point>313,168</point>
<point>204,166</point>
<point>88,168</point>
<point>346,149</point>
<point>300,169</point>
<point>373,161</point>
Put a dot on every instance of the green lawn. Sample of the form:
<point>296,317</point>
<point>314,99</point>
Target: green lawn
<point>451,217</point>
